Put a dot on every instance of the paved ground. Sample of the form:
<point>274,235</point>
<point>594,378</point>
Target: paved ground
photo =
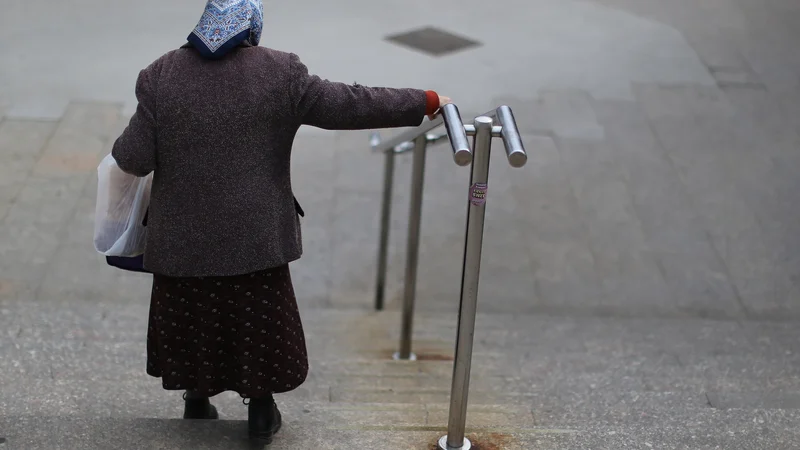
<point>641,274</point>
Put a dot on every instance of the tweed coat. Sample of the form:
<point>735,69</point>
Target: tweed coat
<point>218,135</point>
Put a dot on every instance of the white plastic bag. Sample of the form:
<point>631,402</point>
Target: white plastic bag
<point>122,201</point>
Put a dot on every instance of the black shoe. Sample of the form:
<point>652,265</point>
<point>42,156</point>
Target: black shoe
<point>263,419</point>
<point>199,408</point>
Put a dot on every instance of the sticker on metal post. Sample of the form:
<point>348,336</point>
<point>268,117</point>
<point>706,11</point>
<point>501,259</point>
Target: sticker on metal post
<point>477,194</point>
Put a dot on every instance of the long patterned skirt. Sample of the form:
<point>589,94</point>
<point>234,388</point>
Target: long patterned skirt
<point>213,334</point>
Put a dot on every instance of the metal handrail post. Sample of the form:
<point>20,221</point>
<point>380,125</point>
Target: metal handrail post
<point>456,427</point>
<point>412,250</point>
<point>462,155</point>
<point>386,215</point>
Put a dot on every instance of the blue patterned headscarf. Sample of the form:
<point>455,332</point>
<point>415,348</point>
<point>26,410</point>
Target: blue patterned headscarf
<point>226,24</point>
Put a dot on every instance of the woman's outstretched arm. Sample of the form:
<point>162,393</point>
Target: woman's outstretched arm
<point>339,106</point>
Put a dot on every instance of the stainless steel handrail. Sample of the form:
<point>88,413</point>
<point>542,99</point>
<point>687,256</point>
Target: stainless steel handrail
<point>507,130</point>
<point>411,140</point>
<point>415,139</point>
<point>450,117</point>
<point>404,142</point>
<point>483,130</point>
<point>515,151</point>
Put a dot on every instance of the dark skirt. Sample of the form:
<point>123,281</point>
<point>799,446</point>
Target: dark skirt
<point>213,334</point>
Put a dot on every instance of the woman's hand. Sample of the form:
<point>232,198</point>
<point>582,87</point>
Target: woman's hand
<point>442,101</point>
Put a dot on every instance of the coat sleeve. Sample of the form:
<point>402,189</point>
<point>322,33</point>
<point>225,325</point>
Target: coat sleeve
<point>338,106</point>
<point>135,149</point>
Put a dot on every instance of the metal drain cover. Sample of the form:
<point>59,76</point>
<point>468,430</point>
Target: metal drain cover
<point>433,41</point>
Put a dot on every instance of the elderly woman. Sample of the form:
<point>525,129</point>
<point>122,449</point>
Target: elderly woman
<point>215,123</point>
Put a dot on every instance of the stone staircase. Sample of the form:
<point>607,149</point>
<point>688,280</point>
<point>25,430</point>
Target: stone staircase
<point>73,378</point>
<point>641,328</point>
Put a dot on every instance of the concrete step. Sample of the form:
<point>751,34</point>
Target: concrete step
<point>342,429</point>
<point>146,399</point>
<point>512,353</point>
<point>640,368</point>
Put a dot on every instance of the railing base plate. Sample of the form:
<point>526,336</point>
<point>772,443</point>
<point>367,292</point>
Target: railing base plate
<point>443,444</point>
<point>411,357</point>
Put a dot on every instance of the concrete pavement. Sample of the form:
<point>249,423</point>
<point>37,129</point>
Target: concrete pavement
<point>526,46</point>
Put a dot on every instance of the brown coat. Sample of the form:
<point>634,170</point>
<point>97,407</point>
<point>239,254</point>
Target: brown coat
<point>218,136</point>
